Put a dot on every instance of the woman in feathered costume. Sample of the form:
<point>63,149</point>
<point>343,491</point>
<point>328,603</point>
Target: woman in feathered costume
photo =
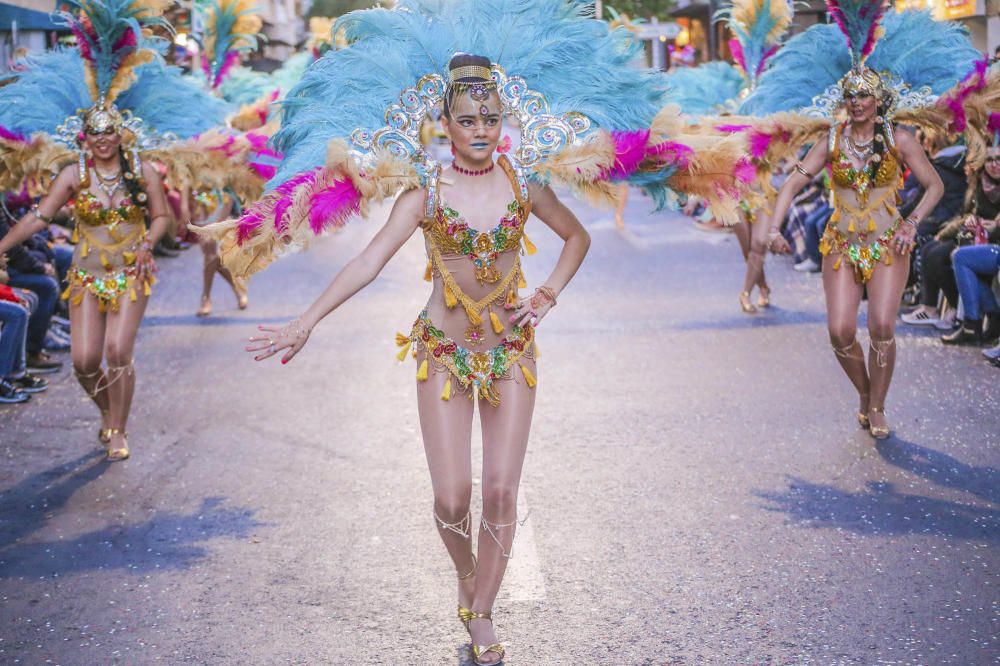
<point>89,102</point>
<point>349,137</point>
<point>878,78</point>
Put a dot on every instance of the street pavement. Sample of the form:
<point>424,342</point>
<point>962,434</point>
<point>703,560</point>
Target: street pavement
<point>699,491</point>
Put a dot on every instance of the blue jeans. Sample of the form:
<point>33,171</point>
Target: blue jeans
<point>47,290</point>
<point>14,332</point>
<point>975,267</point>
<point>63,258</point>
<point>815,224</point>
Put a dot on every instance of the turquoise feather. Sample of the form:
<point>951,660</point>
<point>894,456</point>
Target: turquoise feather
<point>710,88</point>
<point>575,62</point>
<point>915,48</point>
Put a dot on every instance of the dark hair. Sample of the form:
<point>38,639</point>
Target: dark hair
<point>463,60</point>
<point>135,184</point>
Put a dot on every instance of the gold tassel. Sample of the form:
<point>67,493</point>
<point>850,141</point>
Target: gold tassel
<point>888,258</point>
<point>497,324</point>
<point>521,282</point>
<point>529,247</point>
<point>446,393</point>
<point>529,378</point>
<point>104,262</point>
<point>84,250</point>
<point>402,339</point>
<point>75,238</point>
<point>422,372</point>
<point>871,224</point>
<point>145,289</point>
<point>474,318</point>
<point>449,297</point>
<point>512,299</point>
<point>66,292</point>
<point>101,307</point>
<point>850,227</point>
<point>131,294</point>
<point>835,216</point>
<point>428,272</point>
<point>401,356</point>
<point>151,280</point>
<point>78,298</point>
<point>836,264</point>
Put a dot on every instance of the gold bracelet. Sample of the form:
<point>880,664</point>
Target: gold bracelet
<point>37,213</point>
<point>801,169</point>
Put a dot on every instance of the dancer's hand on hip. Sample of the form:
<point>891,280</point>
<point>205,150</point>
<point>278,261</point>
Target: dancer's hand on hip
<point>532,310</point>
<point>292,336</point>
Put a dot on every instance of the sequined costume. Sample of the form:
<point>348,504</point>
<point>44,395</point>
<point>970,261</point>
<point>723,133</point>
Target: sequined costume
<point>106,242</point>
<point>864,215</point>
<point>475,273</point>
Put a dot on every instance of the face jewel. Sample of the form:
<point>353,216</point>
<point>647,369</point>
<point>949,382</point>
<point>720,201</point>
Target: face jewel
<point>484,110</point>
<point>479,92</point>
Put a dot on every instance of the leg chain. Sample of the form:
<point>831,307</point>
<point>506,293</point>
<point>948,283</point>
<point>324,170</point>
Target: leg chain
<point>490,527</point>
<point>845,352</point>
<point>461,528</point>
<point>881,349</point>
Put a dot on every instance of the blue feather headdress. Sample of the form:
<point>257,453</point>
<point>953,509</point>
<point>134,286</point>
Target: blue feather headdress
<point>350,128</point>
<point>711,88</point>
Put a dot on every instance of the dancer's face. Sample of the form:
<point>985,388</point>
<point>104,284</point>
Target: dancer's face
<point>474,127</point>
<point>861,106</point>
<point>993,163</point>
<point>103,144</point>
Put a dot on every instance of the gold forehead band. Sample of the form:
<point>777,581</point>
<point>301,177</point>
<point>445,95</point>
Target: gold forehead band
<point>484,74</point>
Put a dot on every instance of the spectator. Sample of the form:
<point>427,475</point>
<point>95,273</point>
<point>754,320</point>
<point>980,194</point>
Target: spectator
<point>16,384</point>
<point>935,255</point>
<point>27,272</point>
<point>976,269</point>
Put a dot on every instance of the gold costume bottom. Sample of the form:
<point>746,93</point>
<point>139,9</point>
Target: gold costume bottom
<point>861,244</point>
<point>478,370</point>
<point>108,287</point>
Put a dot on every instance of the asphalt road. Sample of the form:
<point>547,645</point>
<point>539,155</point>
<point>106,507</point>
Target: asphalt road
<point>699,491</point>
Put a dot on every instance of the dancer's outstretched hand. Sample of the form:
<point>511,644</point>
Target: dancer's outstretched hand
<point>778,245</point>
<point>292,336</point>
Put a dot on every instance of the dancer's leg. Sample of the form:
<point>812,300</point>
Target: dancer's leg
<point>210,266</point>
<point>87,327</point>
<point>843,298</point>
<point>505,440</point>
<point>119,349</point>
<point>885,289</point>
<point>447,431</point>
<point>754,275</point>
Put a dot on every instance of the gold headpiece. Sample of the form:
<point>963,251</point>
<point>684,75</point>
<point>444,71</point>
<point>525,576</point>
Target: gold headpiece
<point>863,80</point>
<point>483,74</point>
<point>101,117</point>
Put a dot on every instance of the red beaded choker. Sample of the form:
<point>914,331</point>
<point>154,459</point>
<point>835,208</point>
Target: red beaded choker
<point>470,172</point>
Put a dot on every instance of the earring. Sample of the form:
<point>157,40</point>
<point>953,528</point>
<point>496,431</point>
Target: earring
<point>83,165</point>
<point>453,150</point>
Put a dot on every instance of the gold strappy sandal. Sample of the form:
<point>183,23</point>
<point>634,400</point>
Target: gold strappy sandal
<point>464,614</point>
<point>863,419</point>
<point>878,432</point>
<point>745,304</point>
<point>764,297</point>
<point>121,453</point>
<point>479,650</point>
<point>104,434</point>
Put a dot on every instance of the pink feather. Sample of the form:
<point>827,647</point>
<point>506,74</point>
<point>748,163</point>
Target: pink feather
<point>767,56</point>
<point>732,128</point>
<point>737,50</point>
<point>249,223</point>
<point>286,191</point>
<point>974,81</point>
<point>993,125</point>
<point>334,206</point>
<point>82,42</point>
<point>231,59</point>
<point>759,143</point>
<point>745,171</point>
<point>630,150</point>
<point>672,153</point>
<point>11,135</point>
<point>127,40</point>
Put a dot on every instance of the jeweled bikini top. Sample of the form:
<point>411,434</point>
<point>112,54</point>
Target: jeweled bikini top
<point>446,230</point>
<point>90,212</point>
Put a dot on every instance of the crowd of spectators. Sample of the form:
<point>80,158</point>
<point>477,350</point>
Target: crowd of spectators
<point>954,283</point>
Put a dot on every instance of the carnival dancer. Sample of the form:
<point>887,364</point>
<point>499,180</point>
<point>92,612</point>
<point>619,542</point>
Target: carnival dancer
<point>476,337</point>
<point>866,243</point>
<point>116,194</point>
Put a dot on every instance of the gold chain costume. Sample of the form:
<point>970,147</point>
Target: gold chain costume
<point>481,271</point>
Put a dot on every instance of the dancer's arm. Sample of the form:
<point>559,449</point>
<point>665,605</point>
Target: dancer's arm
<point>39,217</point>
<point>914,156</point>
<point>406,216</point>
<point>576,241</point>
<point>814,160</point>
<point>159,220</point>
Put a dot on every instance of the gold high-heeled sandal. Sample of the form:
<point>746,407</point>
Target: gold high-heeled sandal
<point>764,297</point>
<point>121,453</point>
<point>206,307</point>
<point>464,614</point>
<point>878,432</point>
<point>863,419</point>
<point>479,650</point>
<point>104,434</point>
<point>745,304</point>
